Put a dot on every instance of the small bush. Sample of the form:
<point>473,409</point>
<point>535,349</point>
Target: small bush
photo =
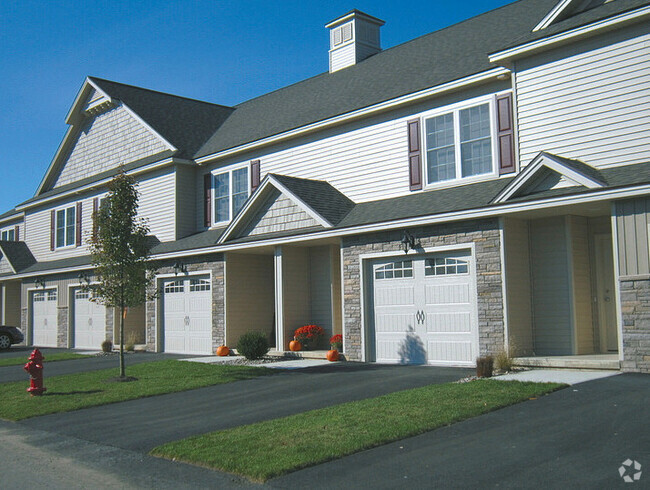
<point>107,346</point>
<point>253,345</point>
<point>484,367</point>
<point>503,361</point>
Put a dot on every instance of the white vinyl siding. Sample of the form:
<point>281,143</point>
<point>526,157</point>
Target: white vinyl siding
<point>157,204</point>
<point>185,204</point>
<point>105,141</point>
<point>592,106</point>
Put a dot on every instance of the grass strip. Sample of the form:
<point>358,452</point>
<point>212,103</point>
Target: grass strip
<point>89,389</point>
<point>63,356</point>
<point>275,447</point>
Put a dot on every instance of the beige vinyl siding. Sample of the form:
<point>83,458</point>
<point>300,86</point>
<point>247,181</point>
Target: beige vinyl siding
<point>106,141</point>
<point>250,296</point>
<point>295,290</point>
<point>337,312</point>
<point>592,105</point>
<point>581,283</point>
<point>157,203</point>
<point>5,266</point>
<point>552,333</point>
<point>632,228</point>
<point>517,267</point>
<point>61,283</point>
<point>185,201</point>
<point>134,325</point>
<point>321,289</point>
<point>11,299</point>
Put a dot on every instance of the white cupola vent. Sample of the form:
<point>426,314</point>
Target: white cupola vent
<point>353,38</point>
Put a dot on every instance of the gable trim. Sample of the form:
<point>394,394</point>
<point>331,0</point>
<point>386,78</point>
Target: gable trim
<point>500,56</point>
<point>549,161</point>
<point>552,15</point>
<point>270,181</point>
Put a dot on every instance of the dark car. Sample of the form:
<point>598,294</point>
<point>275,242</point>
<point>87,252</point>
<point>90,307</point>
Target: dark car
<point>9,336</point>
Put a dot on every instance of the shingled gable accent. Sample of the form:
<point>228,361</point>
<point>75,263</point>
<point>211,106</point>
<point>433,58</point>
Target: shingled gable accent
<point>540,172</point>
<point>277,188</point>
<point>17,255</point>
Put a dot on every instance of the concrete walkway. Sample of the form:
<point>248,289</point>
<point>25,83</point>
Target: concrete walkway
<point>566,376</point>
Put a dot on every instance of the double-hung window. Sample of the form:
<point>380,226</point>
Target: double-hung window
<point>9,235</point>
<point>459,144</point>
<point>66,221</point>
<point>231,189</point>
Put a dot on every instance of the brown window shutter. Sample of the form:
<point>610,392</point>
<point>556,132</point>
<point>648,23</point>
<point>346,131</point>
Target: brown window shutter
<point>255,175</point>
<point>415,159</point>
<point>17,233</point>
<point>505,134</point>
<point>52,228</point>
<point>78,216</point>
<point>207,200</point>
<point>95,211</point>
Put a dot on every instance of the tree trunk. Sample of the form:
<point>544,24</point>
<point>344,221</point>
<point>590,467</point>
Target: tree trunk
<point>122,370</point>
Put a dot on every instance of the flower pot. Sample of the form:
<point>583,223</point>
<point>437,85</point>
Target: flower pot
<point>295,346</point>
<point>223,350</point>
<point>332,355</point>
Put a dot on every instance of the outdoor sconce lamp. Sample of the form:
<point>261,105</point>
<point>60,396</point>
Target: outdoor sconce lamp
<point>39,282</point>
<point>179,268</point>
<point>408,241</point>
<point>84,280</point>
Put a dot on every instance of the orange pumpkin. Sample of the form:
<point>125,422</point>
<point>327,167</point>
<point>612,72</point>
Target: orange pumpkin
<point>223,350</point>
<point>333,355</point>
<point>295,346</point>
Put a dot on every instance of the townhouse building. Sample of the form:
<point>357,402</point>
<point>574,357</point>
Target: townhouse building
<point>482,187</point>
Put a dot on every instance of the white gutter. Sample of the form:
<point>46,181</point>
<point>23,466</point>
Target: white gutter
<point>492,211</point>
<point>78,190</point>
<point>405,99</point>
<point>570,34</point>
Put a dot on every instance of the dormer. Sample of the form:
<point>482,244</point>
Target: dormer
<point>353,38</point>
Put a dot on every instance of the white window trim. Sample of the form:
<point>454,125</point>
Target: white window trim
<point>456,108</point>
<point>56,228</point>
<point>230,170</point>
<point>8,230</point>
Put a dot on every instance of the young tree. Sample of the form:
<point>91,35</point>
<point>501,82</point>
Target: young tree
<point>120,252</point>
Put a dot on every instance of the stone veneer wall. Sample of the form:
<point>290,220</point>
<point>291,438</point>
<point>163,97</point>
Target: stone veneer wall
<point>63,327</point>
<point>635,307</point>
<point>486,237</point>
<point>214,263</point>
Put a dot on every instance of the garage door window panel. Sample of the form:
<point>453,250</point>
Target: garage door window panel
<point>395,270</point>
<point>441,266</point>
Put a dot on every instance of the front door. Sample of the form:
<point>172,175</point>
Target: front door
<point>605,293</point>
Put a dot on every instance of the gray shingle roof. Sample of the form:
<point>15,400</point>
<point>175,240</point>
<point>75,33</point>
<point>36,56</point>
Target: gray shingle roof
<point>18,255</point>
<point>327,201</point>
<point>442,56</point>
<point>185,123</point>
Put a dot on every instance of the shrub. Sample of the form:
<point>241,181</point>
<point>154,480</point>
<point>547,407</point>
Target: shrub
<point>107,346</point>
<point>253,345</point>
<point>484,367</point>
<point>503,361</point>
<point>309,336</point>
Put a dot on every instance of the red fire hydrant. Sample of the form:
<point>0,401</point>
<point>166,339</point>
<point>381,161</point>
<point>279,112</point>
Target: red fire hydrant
<point>35,369</point>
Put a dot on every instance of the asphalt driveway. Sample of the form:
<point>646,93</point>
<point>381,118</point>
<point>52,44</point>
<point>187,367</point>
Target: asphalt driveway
<point>149,422</point>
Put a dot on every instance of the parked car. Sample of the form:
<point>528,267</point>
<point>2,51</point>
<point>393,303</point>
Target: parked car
<point>9,336</point>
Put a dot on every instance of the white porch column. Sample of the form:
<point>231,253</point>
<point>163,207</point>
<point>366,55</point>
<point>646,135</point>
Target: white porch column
<point>279,313</point>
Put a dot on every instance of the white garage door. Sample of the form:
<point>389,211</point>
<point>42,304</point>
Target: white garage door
<point>44,318</point>
<point>424,310</point>
<point>187,306</point>
<point>89,321</point>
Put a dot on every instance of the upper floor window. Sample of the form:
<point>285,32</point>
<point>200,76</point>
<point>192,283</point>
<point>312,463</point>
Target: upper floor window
<point>459,144</point>
<point>9,235</point>
<point>231,189</point>
<point>66,221</point>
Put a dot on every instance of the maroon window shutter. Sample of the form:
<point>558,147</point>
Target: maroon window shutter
<point>505,134</point>
<point>78,216</point>
<point>415,160</point>
<point>95,211</point>
<point>52,228</point>
<point>255,175</point>
<point>207,200</point>
<point>17,233</point>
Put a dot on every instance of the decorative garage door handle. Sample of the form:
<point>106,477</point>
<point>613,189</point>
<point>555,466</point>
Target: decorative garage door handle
<point>90,322</point>
<point>187,320</point>
<point>420,316</point>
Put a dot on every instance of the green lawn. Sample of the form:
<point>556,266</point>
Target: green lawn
<point>268,449</point>
<point>72,392</point>
<point>63,356</point>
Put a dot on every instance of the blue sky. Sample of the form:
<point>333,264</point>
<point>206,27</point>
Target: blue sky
<point>219,51</point>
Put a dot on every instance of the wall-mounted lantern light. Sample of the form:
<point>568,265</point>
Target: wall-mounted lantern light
<point>179,268</point>
<point>408,241</point>
<point>39,282</point>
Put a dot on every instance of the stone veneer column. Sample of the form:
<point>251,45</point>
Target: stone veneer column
<point>62,326</point>
<point>214,263</point>
<point>486,238</point>
<point>635,309</point>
